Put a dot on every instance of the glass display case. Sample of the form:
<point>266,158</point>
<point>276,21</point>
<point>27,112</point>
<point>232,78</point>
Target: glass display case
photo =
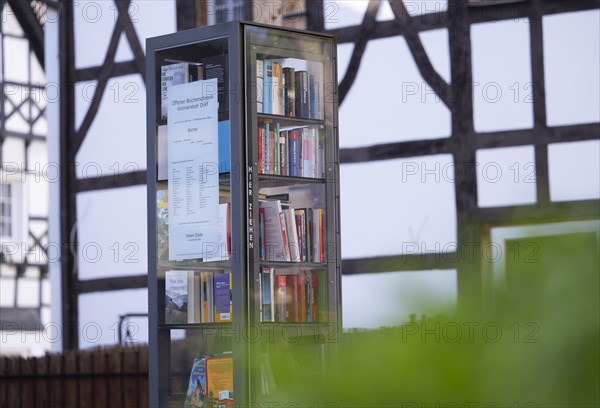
<point>243,211</point>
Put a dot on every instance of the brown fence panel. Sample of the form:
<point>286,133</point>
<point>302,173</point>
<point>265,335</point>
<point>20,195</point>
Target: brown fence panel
<point>100,378</point>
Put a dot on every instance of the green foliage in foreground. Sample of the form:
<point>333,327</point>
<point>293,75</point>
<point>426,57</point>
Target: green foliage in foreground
<point>537,346</point>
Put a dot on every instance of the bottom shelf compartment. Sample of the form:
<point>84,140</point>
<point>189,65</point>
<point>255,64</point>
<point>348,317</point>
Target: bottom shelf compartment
<point>201,372</point>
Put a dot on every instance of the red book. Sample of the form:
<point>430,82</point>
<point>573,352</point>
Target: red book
<point>293,306</point>
<point>280,298</point>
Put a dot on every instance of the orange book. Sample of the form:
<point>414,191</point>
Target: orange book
<point>219,381</point>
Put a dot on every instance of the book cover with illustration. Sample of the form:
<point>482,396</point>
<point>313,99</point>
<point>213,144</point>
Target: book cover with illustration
<point>219,381</point>
<point>196,393</point>
<point>176,297</point>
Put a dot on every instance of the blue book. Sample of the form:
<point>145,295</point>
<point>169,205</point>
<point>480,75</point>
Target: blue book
<point>295,153</point>
<point>222,297</point>
<point>224,129</point>
<point>196,394</point>
<point>267,86</point>
<point>266,289</point>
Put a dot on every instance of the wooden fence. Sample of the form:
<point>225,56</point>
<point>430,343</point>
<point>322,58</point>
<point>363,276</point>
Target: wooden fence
<point>105,377</point>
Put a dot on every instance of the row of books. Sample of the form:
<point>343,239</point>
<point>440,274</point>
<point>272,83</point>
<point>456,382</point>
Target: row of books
<point>287,91</point>
<point>296,152</point>
<point>180,72</point>
<point>288,234</point>
<point>211,383</point>
<point>197,297</point>
<point>289,297</point>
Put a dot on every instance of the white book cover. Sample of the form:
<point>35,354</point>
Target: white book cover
<point>274,242</point>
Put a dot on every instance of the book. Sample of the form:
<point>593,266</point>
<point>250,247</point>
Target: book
<point>300,216</point>
<point>207,297</point>
<point>176,297</point>
<point>266,294</point>
<point>275,232</point>
<point>222,297</point>
<point>267,86</point>
<point>259,85</point>
<point>301,94</point>
<point>281,299</point>
<point>224,129</point>
<point>318,235</point>
<point>196,393</point>
<point>276,89</point>
<point>289,75</point>
<point>219,382</point>
<point>283,153</point>
<point>216,67</point>
<point>194,287</point>
<point>294,153</point>
<point>171,74</point>
<point>293,242</point>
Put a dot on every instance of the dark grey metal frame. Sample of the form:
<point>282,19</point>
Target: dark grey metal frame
<point>159,340</point>
<point>243,151</point>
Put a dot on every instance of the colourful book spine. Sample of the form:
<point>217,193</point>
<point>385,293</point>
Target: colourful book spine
<point>259,85</point>
<point>311,96</point>
<point>267,86</point>
<point>266,156</point>
<point>300,228</point>
<point>266,294</point>
<point>260,142</point>
<point>283,153</point>
<point>301,94</point>
<point>290,91</point>
<point>294,153</point>
<point>261,233</point>
<point>280,298</point>
<point>306,168</point>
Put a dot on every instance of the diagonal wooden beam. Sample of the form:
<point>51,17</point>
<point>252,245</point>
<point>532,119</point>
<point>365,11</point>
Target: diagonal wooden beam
<point>367,27</point>
<point>132,37</point>
<point>31,27</point>
<point>411,35</point>
<point>105,75</point>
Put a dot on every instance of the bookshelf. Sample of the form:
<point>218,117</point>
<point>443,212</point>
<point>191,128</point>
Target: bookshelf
<point>243,211</point>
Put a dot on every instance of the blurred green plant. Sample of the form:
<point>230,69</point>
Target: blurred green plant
<point>536,345</point>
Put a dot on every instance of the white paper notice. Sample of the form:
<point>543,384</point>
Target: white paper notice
<point>193,170</point>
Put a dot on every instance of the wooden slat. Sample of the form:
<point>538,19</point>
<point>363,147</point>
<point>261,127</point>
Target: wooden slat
<point>115,381</point>
<point>56,382</point>
<point>71,380</point>
<point>101,390</point>
<point>86,383</point>
<point>131,382</point>
<point>27,383</point>
<point>144,392</point>
<point>42,388</point>
<point>14,388</point>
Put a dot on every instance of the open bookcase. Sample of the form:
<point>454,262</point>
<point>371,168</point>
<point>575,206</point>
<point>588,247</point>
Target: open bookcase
<point>243,212</point>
